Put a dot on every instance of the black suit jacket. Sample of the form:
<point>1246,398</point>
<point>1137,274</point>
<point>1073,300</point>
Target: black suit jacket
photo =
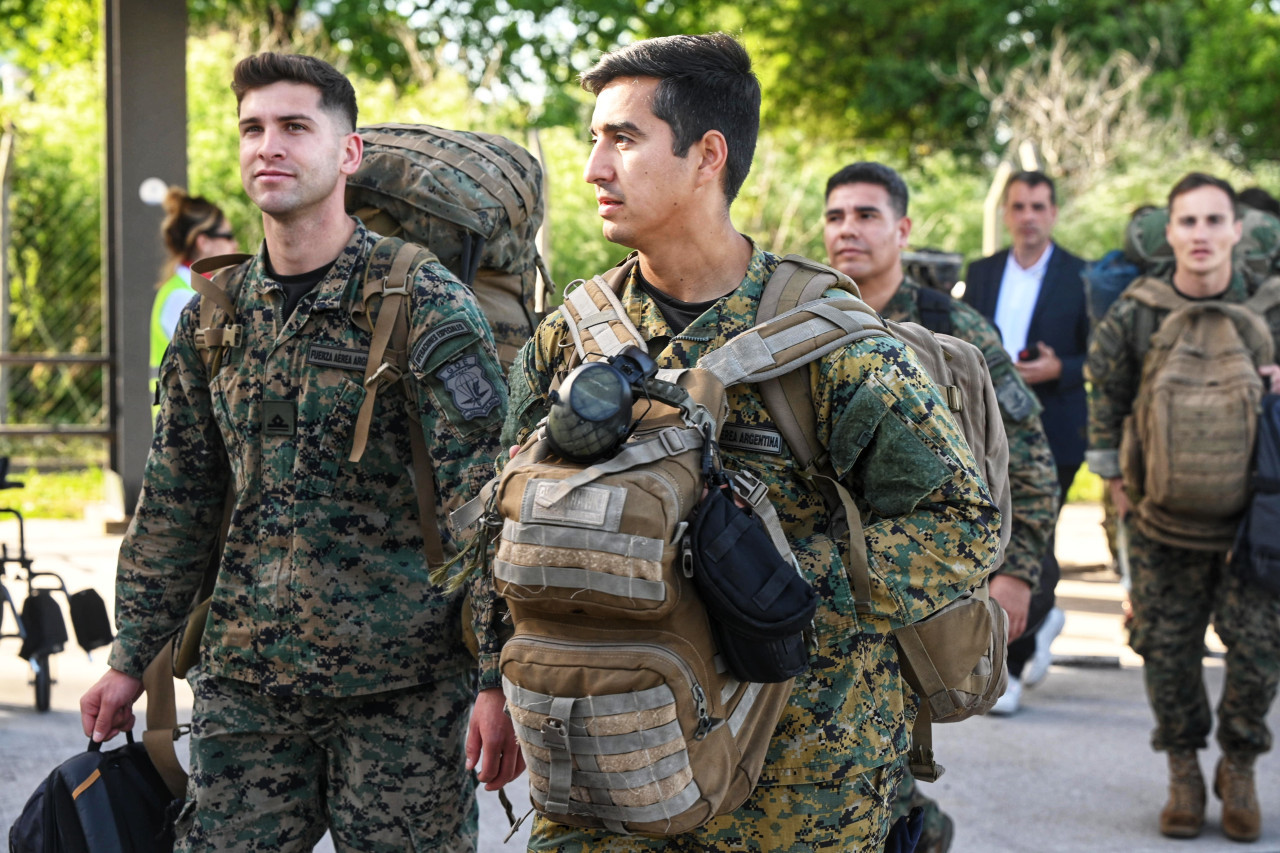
<point>1061,321</point>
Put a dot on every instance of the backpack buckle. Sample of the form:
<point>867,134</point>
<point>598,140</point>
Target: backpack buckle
<point>748,487</point>
<point>401,289</point>
<point>386,374</point>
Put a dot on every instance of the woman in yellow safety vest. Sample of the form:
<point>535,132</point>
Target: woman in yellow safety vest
<point>193,228</point>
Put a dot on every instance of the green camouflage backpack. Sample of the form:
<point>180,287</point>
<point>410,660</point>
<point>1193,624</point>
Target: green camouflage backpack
<point>1258,251</point>
<point>476,201</point>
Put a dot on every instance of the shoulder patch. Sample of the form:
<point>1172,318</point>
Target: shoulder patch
<point>473,393</point>
<point>425,345</point>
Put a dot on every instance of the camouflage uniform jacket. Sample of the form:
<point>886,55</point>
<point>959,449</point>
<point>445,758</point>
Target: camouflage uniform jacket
<point>1114,368</point>
<point>323,587</point>
<point>1033,479</point>
<point>931,525</point>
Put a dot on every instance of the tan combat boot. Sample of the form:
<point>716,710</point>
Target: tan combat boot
<point>1183,815</point>
<point>1233,784</point>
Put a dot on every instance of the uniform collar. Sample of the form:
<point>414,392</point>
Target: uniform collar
<point>337,285</point>
<point>730,315</point>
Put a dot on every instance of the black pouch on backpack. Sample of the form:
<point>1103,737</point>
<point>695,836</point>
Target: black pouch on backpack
<point>1255,557</point>
<point>45,628</point>
<point>89,619</point>
<point>97,801</point>
<point>758,603</point>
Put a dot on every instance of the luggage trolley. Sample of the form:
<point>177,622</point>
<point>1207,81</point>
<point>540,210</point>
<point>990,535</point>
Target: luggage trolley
<point>40,625</point>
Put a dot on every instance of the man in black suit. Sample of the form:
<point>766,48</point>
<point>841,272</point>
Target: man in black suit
<point>1034,294</point>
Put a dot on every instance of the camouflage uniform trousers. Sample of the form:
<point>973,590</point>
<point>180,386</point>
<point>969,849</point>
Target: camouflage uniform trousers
<point>909,796</point>
<point>1176,591</point>
<point>383,772</point>
<point>850,815</point>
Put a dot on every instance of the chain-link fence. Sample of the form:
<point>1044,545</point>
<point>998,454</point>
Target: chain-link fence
<point>52,313</point>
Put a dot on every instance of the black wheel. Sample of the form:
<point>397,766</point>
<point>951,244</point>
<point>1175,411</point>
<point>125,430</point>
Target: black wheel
<point>44,680</point>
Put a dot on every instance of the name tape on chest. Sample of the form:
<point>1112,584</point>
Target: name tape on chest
<point>343,359</point>
<point>751,439</point>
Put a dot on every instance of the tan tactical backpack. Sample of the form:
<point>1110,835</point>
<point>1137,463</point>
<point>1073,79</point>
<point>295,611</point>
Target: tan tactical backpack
<point>627,717</point>
<point>955,659</point>
<point>476,201</point>
<point>1186,449</point>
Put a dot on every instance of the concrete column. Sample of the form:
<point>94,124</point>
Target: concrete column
<point>146,138</point>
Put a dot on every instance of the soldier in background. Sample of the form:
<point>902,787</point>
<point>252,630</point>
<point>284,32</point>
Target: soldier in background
<point>333,685</point>
<point>866,229</point>
<point>1177,589</point>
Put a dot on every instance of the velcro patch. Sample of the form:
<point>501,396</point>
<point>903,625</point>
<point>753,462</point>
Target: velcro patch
<point>427,344</point>
<point>279,417</point>
<point>472,391</point>
<point>595,506</point>
<point>751,439</point>
<point>344,359</point>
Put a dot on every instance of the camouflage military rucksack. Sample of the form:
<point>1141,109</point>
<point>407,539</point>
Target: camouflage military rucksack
<point>1186,448</point>
<point>475,200</point>
<point>955,659</point>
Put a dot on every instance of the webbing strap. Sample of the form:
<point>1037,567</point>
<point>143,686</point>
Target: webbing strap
<point>743,708</point>
<point>162,721</point>
<point>380,372</point>
<point>582,538</point>
<point>556,740</point>
<point>580,580</point>
<point>387,363</point>
<point>603,744</point>
<point>941,704</point>
<point>661,810</point>
<point>619,780</point>
<point>671,441</point>
<point>592,706</point>
<point>920,758</point>
<point>792,340</point>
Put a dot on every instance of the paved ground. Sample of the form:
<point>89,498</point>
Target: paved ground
<point>1071,772</point>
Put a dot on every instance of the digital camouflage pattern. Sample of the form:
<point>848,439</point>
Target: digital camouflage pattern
<point>475,199</point>
<point>1174,595</point>
<point>1175,591</point>
<point>1033,478</point>
<point>931,526</point>
<point>849,814</point>
<point>1258,251</point>
<point>323,586</point>
<point>383,772</point>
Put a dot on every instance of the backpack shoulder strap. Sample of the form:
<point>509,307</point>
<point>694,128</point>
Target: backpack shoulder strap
<point>388,364</point>
<point>797,280</point>
<point>220,292</point>
<point>935,310</point>
<point>1266,297</point>
<point>596,317</point>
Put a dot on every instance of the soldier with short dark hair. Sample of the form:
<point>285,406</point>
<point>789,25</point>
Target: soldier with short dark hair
<point>333,685</point>
<point>672,132</point>
<point>1180,579</point>
<point>866,228</point>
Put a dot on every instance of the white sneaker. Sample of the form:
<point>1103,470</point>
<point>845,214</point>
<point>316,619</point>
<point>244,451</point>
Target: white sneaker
<point>1038,666</point>
<point>1008,704</point>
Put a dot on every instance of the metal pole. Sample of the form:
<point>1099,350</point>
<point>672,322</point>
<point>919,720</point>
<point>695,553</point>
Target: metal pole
<point>146,138</point>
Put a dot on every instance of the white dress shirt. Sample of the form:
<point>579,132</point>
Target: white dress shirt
<point>1019,290</point>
